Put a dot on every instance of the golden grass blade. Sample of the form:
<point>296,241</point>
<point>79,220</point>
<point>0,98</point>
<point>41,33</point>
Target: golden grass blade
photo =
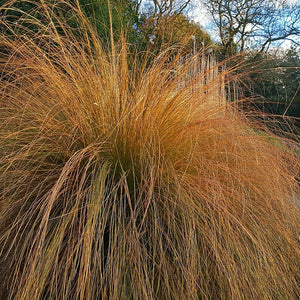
<point>119,182</point>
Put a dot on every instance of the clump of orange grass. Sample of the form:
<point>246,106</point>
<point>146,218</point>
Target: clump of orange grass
<point>118,183</point>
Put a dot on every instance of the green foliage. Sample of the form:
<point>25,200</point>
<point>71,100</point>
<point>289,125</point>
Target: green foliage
<point>277,82</point>
<point>138,27</point>
<point>124,17</point>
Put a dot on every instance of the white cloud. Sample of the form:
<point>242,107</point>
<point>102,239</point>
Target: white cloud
<point>199,14</point>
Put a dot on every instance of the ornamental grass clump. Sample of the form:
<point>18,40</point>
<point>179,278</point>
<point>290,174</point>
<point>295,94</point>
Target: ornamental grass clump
<point>117,182</point>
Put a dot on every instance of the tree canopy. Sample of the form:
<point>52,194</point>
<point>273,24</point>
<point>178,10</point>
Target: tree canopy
<point>254,23</point>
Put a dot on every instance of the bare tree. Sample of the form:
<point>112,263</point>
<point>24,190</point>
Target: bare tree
<point>169,7</point>
<point>255,23</point>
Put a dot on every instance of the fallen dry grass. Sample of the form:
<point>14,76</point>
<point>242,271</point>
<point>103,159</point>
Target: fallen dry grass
<point>115,183</point>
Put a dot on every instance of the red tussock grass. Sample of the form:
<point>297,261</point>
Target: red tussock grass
<point>117,183</point>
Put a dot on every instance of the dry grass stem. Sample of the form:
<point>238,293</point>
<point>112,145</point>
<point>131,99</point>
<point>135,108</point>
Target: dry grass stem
<point>116,182</point>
